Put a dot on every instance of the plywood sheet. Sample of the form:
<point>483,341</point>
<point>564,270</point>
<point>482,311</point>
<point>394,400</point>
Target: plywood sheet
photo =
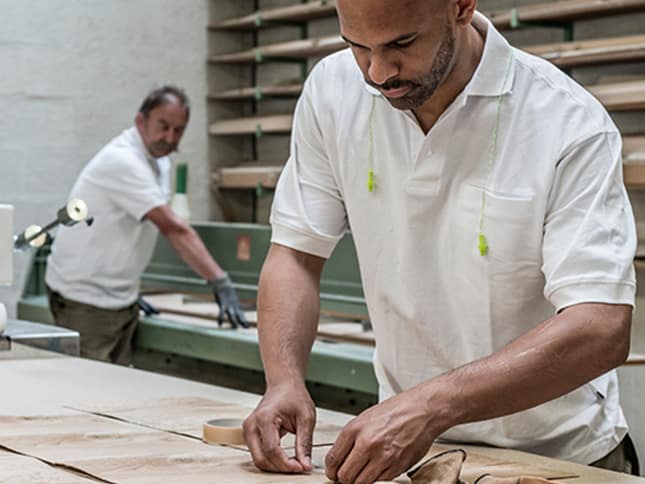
<point>182,308</point>
<point>18,469</point>
<point>186,416</point>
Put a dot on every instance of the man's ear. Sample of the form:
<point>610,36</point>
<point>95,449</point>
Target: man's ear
<point>138,119</point>
<point>465,11</point>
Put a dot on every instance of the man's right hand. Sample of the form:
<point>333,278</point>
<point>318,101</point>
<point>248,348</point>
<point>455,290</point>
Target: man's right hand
<point>285,408</point>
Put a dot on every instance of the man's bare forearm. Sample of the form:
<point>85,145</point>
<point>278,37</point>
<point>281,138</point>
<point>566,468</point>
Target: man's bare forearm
<point>193,252</point>
<point>288,311</point>
<point>561,354</point>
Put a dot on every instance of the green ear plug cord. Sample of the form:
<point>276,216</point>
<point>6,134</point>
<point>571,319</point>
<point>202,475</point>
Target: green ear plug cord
<point>370,169</point>
<point>482,244</point>
<point>482,241</point>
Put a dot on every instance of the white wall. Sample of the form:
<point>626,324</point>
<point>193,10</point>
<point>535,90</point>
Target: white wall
<point>73,73</point>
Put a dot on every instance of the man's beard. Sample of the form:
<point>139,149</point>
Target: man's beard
<point>164,149</point>
<point>423,88</point>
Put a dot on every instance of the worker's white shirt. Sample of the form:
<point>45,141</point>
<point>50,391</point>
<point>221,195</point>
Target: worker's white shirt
<point>557,218</point>
<point>101,265</point>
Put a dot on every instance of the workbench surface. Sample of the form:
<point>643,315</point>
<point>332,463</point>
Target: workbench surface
<point>42,384</point>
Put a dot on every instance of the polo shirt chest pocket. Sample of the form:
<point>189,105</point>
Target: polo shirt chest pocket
<point>511,226</point>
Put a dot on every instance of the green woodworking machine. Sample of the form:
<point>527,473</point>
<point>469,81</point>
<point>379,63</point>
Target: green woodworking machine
<point>340,374</point>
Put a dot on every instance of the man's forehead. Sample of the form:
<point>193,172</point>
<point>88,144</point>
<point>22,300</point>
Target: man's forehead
<point>170,111</point>
<point>383,18</point>
<point>382,11</point>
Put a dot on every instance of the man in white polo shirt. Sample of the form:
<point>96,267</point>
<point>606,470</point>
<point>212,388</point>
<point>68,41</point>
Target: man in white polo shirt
<point>93,274</point>
<point>484,191</point>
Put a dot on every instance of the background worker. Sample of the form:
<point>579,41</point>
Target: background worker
<point>495,238</point>
<point>93,274</point>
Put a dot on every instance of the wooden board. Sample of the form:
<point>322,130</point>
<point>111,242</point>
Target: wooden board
<point>120,451</point>
<point>15,468</point>
<point>563,11</point>
<point>295,49</point>
<point>258,125</point>
<point>597,51</point>
<point>186,416</point>
<point>621,96</point>
<point>564,54</point>
<point>268,17</point>
<point>247,176</point>
<point>634,162</point>
<point>559,11</point>
<point>178,307</point>
<point>258,92</point>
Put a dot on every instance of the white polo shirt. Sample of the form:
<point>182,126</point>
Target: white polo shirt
<point>101,265</point>
<point>557,219</point>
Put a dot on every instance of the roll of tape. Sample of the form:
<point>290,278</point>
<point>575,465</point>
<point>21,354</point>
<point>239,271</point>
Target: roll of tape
<point>223,431</point>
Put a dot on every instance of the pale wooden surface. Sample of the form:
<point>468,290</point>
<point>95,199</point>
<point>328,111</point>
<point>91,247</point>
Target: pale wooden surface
<point>182,308</point>
<point>563,10</point>
<point>275,123</point>
<point>249,176</point>
<point>44,386</point>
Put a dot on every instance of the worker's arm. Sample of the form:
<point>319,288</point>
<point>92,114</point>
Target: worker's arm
<point>561,354</point>
<point>288,311</point>
<point>193,252</point>
<point>186,242</point>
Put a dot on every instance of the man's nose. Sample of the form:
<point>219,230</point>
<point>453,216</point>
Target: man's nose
<point>381,68</point>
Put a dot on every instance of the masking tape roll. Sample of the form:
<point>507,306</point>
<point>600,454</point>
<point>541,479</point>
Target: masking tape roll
<point>223,431</point>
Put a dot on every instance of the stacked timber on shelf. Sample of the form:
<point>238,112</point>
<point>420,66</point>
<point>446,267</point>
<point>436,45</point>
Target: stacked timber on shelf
<point>616,96</point>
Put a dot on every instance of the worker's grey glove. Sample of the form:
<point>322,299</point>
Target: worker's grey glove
<point>146,307</point>
<point>229,305</point>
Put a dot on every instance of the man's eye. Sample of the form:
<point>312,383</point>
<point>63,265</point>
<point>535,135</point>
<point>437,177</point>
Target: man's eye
<point>403,45</point>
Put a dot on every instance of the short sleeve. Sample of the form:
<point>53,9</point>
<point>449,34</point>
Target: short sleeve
<point>130,182</point>
<point>308,213</point>
<point>589,232</point>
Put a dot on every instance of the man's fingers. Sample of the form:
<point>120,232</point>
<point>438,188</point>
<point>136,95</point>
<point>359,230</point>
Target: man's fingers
<point>338,453</point>
<point>232,318</point>
<point>374,472</point>
<point>304,438</point>
<point>263,442</point>
<point>275,455</point>
<point>252,439</point>
<point>352,466</point>
<point>242,318</point>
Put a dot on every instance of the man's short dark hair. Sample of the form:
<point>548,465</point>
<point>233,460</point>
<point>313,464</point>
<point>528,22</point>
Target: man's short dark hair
<point>164,95</point>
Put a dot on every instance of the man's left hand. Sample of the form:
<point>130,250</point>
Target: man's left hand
<point>229,305</point>
<point>383,441</point>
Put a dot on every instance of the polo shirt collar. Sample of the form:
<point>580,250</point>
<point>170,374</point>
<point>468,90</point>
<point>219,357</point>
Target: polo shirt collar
<point>493,65</point>
<point>138,142</point>
<point>495,71</point>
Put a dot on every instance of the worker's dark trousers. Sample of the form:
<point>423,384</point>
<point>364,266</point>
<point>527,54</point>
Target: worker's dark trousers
<point>622,459</point>
<point>105,334</point>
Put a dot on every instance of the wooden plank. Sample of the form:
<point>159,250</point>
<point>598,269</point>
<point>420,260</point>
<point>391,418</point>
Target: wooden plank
<point>597,51</point>
<point>266,17</point>
<point>296,49</point>
<point>633,145</point>
<point>564,54</point>
<point>625,95</point>
<point>621,96</point>
<point>563,11</point>
<point>276,123</point>
<point>559,11</point>
<point>634,162</point>
<point>258,92</point>
<point>243,177</point>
